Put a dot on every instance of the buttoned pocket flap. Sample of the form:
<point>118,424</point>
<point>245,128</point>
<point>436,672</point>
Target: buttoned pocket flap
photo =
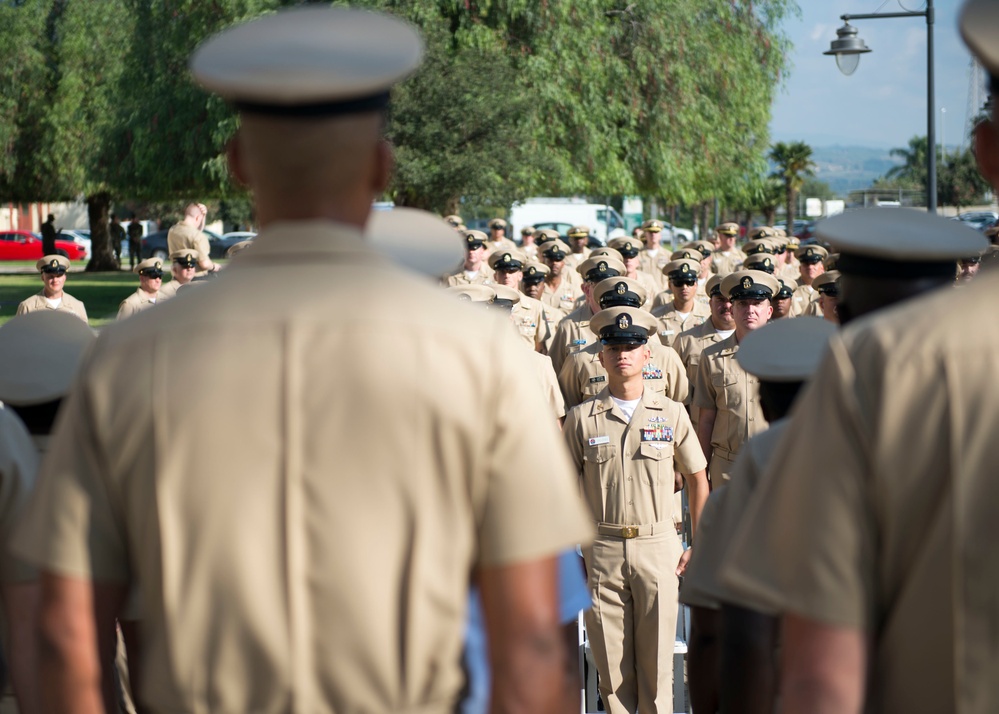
<point>599,454</point>
<point>656,450</point>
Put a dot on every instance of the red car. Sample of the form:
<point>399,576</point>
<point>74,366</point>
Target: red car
<point>24,245</point>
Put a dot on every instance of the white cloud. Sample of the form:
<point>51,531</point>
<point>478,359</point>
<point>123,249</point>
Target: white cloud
<point>820,31</point>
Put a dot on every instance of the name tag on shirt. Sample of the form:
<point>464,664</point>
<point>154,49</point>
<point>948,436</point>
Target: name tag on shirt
<point>601,378</point>
<point>597,440</point>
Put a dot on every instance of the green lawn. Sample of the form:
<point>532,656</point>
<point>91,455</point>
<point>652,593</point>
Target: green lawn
<point>101,293</point>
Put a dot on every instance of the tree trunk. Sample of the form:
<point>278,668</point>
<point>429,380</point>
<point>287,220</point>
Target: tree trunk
<point>102,258</point>
<point>790,210</point>
<point>705,220</point>
<point>771,216</point>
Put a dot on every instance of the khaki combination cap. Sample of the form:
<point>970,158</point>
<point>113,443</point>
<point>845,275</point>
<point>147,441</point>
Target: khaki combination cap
<point>39,355</point>
<point>507,260</point>
<point>653,226</point>
<point>687,254</point>
<point>505,297</point>
<point>827,283</point>
<point>417,240</point>
<point>811,254</point>
<point>527,231</point>
<point>831,261</point>
<point>760,261</point>
<point>52,264</point>
<point>898,242</point>
<point>473,293</point>
<point>605,252</point>
<point>682,269</point>
<point>312,61</point>
<point>454,220</point>
<point>188,257</point>
<point>627,246</point>
<point>237,248</point>
<point>713,286</point>
<point>761,232</point>
<point>786,350</point>
<point>579,232</point>
<point>600,268</point>
<point>620,291</point>
<point>729,229</point>
<point>555,249</point>
<point>497,223</point>
<point>535,272</point>
<point>979,25</point>
<point>474,239</point>
<point>705,248</point>
<point>749,285</point>
<point>623,326</point>
<point>150,267</point>
<point>760,245</point>
<point>543,235</point>
<point>786,289</point>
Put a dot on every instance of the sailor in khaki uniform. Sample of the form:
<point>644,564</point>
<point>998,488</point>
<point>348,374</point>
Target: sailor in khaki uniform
<point>145,296</point>
<point>528,315</point>
<point>654,257</point>
<point>764,262</point>
<point>532,284</point>
<point>782,355</point>
<point>689,344</point>
<point>307,539</point>
<point>579,251</point>
<point>52,269</point>
<point>497,236</point>
<point>630,250</point>
<point>878,551</point>
<point>626,443</point>
<point>183,265</point>
<point>781,301</point>
<point>528,243</point>
<point>475,270</point>
<point>727,259</point>
<point>810,266</point>
<point>40,353</point>
<point>455,221</point>
<point>707,251</point>
<point>678,309</point>
<point>582,375</point>
<point>563,285</point>
<point>728,397</point>
<point>827,285</point>
<point>573,333</point>
<point>189,233</point>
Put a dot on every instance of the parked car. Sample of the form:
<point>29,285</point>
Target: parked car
<point>563,230</point>
<point>979,220</point>
<point>25,245</point>
<point>154,245</point>
<point>80,237</point>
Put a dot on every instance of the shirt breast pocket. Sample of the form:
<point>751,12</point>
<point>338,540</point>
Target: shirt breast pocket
<point>657,460</point>
<point>728,389</point>
<point>597,459</point>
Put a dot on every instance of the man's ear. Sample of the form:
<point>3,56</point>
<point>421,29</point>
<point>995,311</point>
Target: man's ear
<point>600,356</point>
<point>234,157</point>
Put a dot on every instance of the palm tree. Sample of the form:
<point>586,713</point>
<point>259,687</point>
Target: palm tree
<point>794,163</point>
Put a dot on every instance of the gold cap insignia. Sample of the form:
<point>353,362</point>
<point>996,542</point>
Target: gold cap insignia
<point>506,257</point>
<point>686,269</point>
<point>747,283</point>
<point>766,262</point>
<point>809,252</point>
<point>621,288</point>
<point>624,322</point>
<point>53,263</point>
<point>602,266</point>
<point>158,265</point>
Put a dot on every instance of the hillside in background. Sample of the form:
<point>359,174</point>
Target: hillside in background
<point>846,168</point>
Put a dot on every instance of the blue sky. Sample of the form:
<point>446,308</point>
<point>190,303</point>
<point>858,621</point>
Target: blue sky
<point>883,103</point>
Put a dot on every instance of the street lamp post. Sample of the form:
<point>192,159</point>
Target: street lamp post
<point>847,49</point>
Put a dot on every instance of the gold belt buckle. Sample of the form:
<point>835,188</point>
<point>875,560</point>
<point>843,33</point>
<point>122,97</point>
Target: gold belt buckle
<point>629,532</point>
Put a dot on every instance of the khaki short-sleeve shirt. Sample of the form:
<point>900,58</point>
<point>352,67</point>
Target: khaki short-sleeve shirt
<point>626,468</point>
<point>308,533</point>
<point>583,376</point>
<point>672,323</point>
<point>531,321</point>
<point>564,298</point>
<point>720,521</point>
<point>38,302</point>
<point>18,465</point>
<point>805,301</point>
<point>726,387</point>
<point>182,236</point>
<point>572,334</point>
<point>136,302</point>
<point>887,523</point>
<point>728,261</point>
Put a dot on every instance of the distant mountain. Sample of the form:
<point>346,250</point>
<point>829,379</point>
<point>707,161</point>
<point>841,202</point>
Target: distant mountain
<point>846,168</point>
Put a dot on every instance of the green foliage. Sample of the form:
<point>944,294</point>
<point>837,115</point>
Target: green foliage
<point>666,98</point>
<point>912,173</point>
<point>960,183</point>
<point>793,163</point>
<point>812,187</point>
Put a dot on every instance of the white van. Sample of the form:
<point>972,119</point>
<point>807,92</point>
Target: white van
<point>560,214</point>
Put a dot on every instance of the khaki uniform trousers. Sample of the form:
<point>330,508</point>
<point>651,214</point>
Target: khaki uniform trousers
<point>720,467</point>
<point>632,624</point>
